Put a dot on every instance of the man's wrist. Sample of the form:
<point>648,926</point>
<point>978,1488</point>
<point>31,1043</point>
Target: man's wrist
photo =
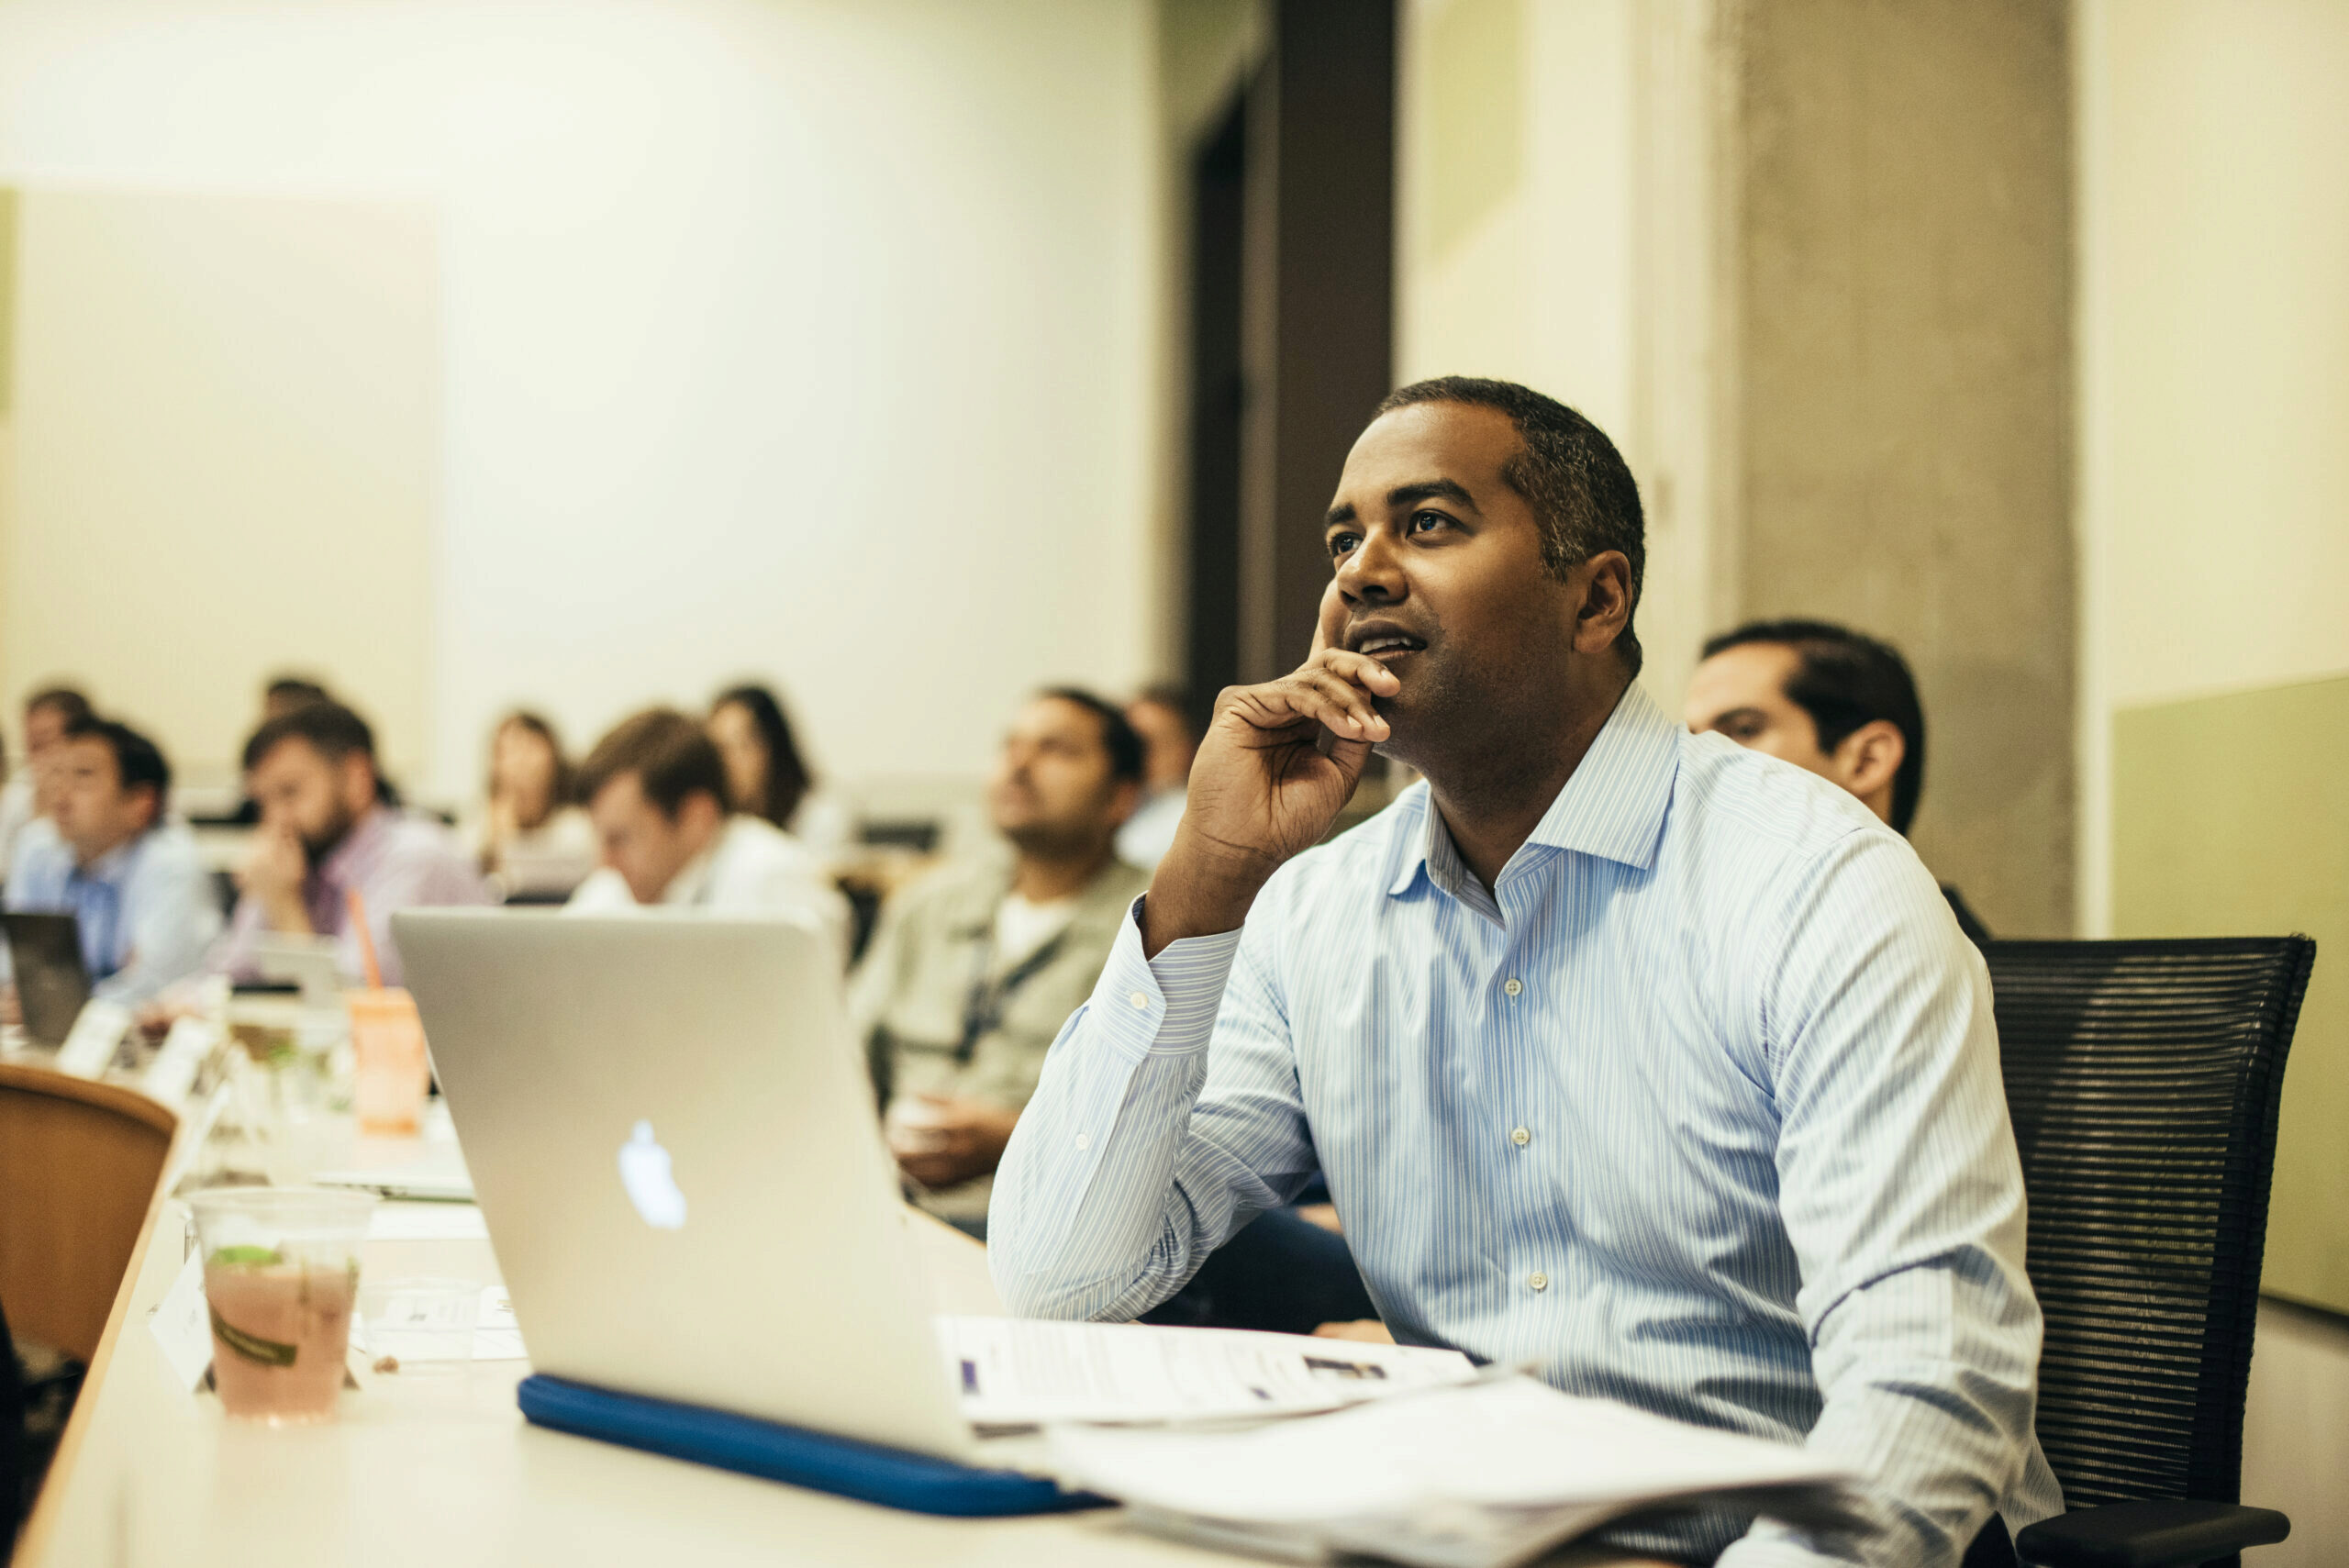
<point>1200,894</point>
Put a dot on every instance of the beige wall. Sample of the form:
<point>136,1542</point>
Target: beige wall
<point>2214,501</point>
<point>1808,263</point>
<point>2214,353</point>
<point>809,341</point>
<point>1901,251</point>
<point>1527,247</point>
<point>225,422</point>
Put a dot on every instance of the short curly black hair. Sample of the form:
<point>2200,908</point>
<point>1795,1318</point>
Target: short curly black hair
<point>1581,490</point>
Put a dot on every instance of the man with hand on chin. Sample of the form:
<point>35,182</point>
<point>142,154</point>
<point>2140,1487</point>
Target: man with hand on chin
<point>327,831</point>
<point>1654,1061</point>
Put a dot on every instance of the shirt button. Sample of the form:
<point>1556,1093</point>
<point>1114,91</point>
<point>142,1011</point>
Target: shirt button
<point>1515,986</point>
<point>1538,1281</point>
<point>1141,999</point>
<point>1084,1140</point>
<point>1519,1137</point>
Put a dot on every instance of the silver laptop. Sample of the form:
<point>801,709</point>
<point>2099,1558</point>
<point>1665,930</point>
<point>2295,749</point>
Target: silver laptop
<point>674,1146</point>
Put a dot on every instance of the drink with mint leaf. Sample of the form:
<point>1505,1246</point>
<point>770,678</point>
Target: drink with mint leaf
<point>280,1275</point>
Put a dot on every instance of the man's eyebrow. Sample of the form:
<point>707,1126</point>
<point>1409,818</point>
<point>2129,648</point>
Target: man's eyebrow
<point>1749,711</point>
<point>1404,495</point>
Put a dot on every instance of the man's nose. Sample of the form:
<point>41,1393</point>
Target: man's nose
<point>1372,571</point>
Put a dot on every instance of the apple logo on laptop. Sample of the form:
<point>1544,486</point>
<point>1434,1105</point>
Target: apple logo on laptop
<point>651,1186</point>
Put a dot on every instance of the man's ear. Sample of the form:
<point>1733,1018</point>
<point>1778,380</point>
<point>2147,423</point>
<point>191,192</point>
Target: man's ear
<point>1606,605</point>
<point>1869,757</point>
<point>154,812</point>
<point>701,813</point>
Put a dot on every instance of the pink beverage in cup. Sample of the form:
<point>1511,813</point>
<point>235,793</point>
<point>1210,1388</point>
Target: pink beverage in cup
<point>281,1275</point>
<point>393,1073</point>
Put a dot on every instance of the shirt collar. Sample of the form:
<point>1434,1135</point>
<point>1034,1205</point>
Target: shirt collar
<point>1612,808</point>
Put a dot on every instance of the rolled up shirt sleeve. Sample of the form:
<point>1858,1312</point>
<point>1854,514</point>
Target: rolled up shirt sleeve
<point>1166,1118</point>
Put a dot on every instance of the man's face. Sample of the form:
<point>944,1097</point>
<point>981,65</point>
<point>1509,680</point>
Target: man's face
<point>94,813</point>
<point>1438,577</point>
<point>300,790</point>
<point>643,843</point>
<point>1742,693</point>
<point>1052,792</point>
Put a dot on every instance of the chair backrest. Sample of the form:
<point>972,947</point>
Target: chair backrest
<point>78,1162</point>
<point>2143,1077</point>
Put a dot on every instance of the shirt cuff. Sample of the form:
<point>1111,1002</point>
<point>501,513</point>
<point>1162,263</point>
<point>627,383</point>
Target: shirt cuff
<point>1772,1546</point>
<point>1164,1005</point>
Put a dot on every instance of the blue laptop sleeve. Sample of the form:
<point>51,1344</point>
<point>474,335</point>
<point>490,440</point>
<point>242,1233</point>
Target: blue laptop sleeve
<point>864,1471</point>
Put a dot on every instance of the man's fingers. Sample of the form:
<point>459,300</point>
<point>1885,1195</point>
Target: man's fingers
<point>1277,711</point>
<point>1348,708</point>
<point>1360,669</point>
<point>1327,620</point>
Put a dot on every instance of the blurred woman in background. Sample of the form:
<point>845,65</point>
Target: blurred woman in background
<point>535,843</point>
<point>765,772</point>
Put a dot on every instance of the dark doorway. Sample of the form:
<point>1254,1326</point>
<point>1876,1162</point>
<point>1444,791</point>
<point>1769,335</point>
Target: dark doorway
<point>1218,401</point>
<point>1291,338</point>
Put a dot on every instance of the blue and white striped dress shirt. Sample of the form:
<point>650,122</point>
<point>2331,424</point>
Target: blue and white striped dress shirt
<point>147,909</point>
<point>1699,1108</point>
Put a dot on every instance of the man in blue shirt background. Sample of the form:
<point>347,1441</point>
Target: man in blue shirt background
<point>107,854</point>
<point>1659,1064</point>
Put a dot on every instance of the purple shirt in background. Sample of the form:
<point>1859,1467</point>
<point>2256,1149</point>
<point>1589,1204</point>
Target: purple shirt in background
<point>395,861</point>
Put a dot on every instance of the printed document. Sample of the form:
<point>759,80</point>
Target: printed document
<point>1016,1372</point>
<point>1482,1476</point>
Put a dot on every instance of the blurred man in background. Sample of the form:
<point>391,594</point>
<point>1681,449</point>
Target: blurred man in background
<point>326,832</point>
<point>656,790</point>
<point>1169,728</point>
<point>974,969</point>
<point>108,855</point>
<point>1831,702</point>
<point>48,714</point>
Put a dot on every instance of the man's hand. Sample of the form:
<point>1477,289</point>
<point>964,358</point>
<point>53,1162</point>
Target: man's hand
<point>943,1143</point>
<point>1368,1330</point>
<point>1277,764</point>
<point>274,872</point>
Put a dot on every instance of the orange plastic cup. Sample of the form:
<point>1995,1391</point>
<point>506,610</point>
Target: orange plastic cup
<point>393,1073</point>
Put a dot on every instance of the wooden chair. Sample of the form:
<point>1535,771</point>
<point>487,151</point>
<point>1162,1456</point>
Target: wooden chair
<point>79,1163</point>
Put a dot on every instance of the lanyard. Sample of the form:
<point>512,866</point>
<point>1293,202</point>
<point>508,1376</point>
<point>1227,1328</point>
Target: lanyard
<point>983,1010</point>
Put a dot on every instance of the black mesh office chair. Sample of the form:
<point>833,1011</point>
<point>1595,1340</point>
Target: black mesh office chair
<point>2144,1078</point>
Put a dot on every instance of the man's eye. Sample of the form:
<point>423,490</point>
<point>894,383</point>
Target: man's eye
<point>1341,543</point>
<point>1426,522</point>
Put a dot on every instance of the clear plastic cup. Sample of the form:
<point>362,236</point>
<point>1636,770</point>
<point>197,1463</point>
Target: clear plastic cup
<point>281,1278</point>
<point>393,1074</point>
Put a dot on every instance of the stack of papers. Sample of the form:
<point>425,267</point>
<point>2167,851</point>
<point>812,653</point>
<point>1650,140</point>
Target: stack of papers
<point>1487,1475</point>
<point>1015,1372</point>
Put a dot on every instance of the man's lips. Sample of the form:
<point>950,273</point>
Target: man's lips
<point>1385,643</point>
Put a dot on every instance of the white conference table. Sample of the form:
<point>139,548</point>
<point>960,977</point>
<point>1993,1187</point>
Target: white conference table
<point>443,1471</point>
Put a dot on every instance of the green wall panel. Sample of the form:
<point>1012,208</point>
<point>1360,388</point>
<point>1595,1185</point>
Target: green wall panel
<point>2230,817</point>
